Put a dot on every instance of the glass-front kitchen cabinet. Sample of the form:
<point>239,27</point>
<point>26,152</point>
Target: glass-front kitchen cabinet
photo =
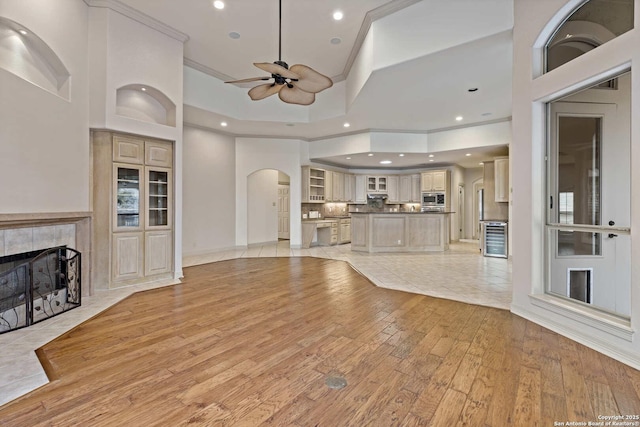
<point>133,217</point>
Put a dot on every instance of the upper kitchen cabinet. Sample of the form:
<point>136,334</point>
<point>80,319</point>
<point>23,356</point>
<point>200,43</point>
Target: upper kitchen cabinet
<point>360,196</point>
<point>349,187</point>
<point>377,184</point>
<point>501,174</point>
<point>415,188</point>
<point>435,180</point>
<point>313,185</point>
<point>393,187</point>
<point>337,183</point>
<point>409,188</point>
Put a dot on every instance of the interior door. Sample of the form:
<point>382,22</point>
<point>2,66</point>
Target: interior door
<point>283,212</point>
<point>588,205</point>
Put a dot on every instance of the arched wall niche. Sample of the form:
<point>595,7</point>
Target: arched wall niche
<point>27,56</point>
<point>145,103</point>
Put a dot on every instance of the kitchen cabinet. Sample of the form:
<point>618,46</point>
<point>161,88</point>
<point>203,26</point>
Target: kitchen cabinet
<point>435,180</point>
<point>337,184</point>
<point>404,189</point>
<point>501,175</point>
<point>313,185</point>
<point>415,189</point>
<point>377,184</point>
<point>344,235</point>
<point>393,183</point>
<point>349,187</point>
<point>327,232</point>
<point>133,209</point>
<point>361,189</point>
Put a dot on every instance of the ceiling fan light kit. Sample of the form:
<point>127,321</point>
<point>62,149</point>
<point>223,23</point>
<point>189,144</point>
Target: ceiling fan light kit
<point>295,85</point>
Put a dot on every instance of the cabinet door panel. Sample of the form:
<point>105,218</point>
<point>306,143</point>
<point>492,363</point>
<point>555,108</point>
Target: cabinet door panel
<point>127,256</point>
<point>159,204</point>
<point>158,259</point>
<point>128,197</point>
<point>159,153</point>
<point>439,181</point>
<point>427,181</point>
<point>128,150</point>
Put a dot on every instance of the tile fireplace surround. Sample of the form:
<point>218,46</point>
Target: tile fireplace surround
<point>29,232</point>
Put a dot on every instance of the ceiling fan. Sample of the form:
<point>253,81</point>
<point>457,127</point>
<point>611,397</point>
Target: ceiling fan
<point>297,84</point>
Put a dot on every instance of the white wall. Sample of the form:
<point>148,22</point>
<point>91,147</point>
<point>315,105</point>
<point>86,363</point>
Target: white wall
<point>127,52</point>
<point>534,24</point>
<point>208,192</point>
<point>44,139</point>
<point>457,178</point>
<point>262,204</point>
<point>254,154</point>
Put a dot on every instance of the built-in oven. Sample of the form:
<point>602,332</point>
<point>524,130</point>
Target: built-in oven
<point>433,200</point>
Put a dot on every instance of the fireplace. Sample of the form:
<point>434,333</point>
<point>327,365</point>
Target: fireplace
<point>48,243</point>
<point>38,285</point>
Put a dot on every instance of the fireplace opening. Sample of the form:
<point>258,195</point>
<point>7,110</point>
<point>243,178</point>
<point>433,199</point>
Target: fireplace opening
<point>37,285</point>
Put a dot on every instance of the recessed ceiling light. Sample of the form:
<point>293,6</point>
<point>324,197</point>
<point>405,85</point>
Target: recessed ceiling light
<point>370,154</point>
<point>346,125</point>
<point>473,89</point>
<point>337,15</point>
<point>144,89</point>
<point>431,160</point>
<point>385,162</point>
<point>468,154</point>
<point>336,40</point>
<point>234,35</point>
<point>223,124</point>
<point>348,158</point>
<point>568,36</point>
<point>23,32</point>
<point>458,118</point>
<point>218,4</point>
<point>400,155</point>
<point>430,155</point>
<point>481,163</point>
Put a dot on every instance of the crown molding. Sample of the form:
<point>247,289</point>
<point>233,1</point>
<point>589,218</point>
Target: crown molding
<point>142,18</point>
<point>207,70</point>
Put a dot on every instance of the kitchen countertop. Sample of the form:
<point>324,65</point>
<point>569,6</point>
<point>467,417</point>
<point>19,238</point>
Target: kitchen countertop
<point>404,213</point>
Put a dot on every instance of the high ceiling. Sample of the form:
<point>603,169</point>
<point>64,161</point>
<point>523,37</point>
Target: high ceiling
<point>451,46</point>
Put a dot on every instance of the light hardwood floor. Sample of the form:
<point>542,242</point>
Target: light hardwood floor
<point>251,342</point>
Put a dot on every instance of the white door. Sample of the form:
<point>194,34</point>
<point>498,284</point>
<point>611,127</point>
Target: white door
<point>283,212</point>
<point>588,200</point>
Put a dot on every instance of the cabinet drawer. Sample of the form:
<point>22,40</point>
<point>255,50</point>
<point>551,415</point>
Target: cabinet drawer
<point>334,239</point>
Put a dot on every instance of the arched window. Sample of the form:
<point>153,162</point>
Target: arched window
<point>591,25</point>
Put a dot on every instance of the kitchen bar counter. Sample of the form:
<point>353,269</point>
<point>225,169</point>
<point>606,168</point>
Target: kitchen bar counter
<point>400,231</point>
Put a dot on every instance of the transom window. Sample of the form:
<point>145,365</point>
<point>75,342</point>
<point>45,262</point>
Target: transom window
<point>591,25</point>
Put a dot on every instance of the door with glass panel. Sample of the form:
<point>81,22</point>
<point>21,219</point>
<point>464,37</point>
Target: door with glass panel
<point>588,215</point>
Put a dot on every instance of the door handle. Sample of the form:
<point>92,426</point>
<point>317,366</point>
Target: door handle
<point>611,235</point>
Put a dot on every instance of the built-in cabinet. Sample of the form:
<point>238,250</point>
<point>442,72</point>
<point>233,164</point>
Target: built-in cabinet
<point>313,185</point>
<point>409,188</point>
<point>377,184</point>
<point>133,209</point>
<point>435,180</point>
<point>501,175</point>
<point>393,189</point>
<point>361,189</point>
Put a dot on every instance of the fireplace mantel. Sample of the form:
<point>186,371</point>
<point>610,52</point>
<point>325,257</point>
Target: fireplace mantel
<point>34,231</point>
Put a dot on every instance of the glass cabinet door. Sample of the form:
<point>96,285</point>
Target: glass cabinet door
<point>128,197</point>
<point>159,197</point>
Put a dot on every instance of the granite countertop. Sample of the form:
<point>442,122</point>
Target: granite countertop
<point>404,213</point>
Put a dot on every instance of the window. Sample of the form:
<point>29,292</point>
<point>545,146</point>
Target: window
<point>593,24</point>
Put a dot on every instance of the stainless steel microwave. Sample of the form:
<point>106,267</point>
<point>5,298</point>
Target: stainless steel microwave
<point>433,199</point>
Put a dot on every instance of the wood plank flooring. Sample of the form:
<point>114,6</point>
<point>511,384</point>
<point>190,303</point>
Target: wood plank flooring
<point>251,342</point>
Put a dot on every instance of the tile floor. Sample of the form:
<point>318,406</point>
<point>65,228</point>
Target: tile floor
<point>461,274</point>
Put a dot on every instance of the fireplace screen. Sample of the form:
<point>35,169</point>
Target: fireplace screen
<point>39,288</point>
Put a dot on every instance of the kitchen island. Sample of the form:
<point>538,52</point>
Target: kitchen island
<point>400,231</point>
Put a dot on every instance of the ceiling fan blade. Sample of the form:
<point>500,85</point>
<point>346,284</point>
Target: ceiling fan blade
<point>276,69</point>
<point>310,80</point>
<point>295,95</point>
<point>251,79</point>
<point>262,91</point>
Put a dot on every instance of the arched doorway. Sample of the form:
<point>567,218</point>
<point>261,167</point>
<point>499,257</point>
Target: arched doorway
<point>268,207</point>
